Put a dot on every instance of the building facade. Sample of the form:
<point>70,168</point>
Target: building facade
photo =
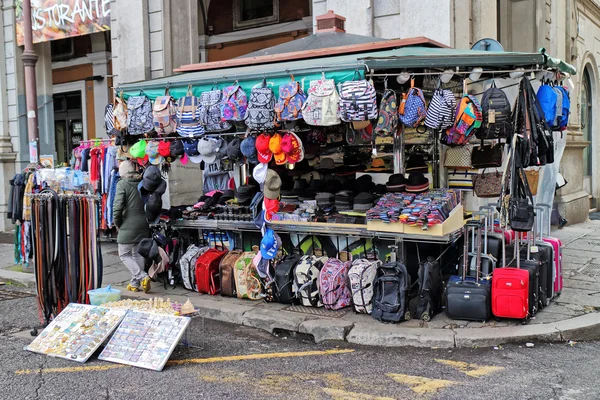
<point>151,38</point>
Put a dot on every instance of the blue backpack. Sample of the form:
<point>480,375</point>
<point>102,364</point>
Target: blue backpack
<point>412,110</point>
<point>566,105</point>
<point>547,98</point>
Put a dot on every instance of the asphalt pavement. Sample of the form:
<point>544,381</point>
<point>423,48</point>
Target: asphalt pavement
<point>246,363</point>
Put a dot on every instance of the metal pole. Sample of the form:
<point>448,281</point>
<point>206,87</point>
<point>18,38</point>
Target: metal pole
<point>29,59</point>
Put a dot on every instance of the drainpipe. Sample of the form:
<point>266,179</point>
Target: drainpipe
<point>29,59</point>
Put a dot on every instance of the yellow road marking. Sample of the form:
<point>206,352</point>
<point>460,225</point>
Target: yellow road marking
<point>189,361</point>
<point>472,370</point>
<point>338,394</point>
<point>421,385</point>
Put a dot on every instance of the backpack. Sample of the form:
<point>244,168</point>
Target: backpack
<point>496,111</point>
<point>362,275</point>
<point>207,271</point>
<point>187,266</point>
<point>291,101</point>
<point>547,99</point>
<point>210,111</point>
<point>413,110</point>
<point>468,119</point>
<point>247,280</point>
<point>306,280</point>
<point>566,105</point>
<point>226,273</point>
<point>333,284</point>
<point>440,113</point>
<point>139,115</point>
<point>284,280</point>
<point>109,120</point>
<point>188,116</point>
<point>391,293</point>
<point>120,114</point>
<point>431,288</point>
<point>234,104</point>
<point>261,108</point>
<point>164,114</point>
<point>358,101</point>
<point>322,105</point>
<point>387,124</point>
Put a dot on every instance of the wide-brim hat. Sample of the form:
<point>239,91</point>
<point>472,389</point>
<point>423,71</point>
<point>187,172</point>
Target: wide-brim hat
<point>417,182</point>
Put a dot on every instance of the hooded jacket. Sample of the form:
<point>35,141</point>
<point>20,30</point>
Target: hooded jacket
<point>128,211</point>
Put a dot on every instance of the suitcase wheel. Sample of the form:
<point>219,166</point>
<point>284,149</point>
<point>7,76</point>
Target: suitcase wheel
<point>407,316</point>
<point>425,317</point>
<point>526,321</point>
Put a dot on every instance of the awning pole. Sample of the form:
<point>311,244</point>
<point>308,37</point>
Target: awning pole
<point>29,59</point>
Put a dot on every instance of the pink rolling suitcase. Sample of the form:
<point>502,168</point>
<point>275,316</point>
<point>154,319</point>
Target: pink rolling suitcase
<point>557,245</point>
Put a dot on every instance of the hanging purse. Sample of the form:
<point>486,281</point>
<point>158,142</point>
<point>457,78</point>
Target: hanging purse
<point>458,157</point>
<point>520,206</point>
<point>533,178</point>
<point>487,156</point>
<point>487,185</point>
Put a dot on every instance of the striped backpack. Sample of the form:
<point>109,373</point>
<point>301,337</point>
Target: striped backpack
<point>387,124</point>
<point>109,120</point>
<point>189,122</point>
<point>413,109</point>
<point>358,101</point>
<point>362,275</point>
<point>333,284</point>
<point>440,114</point>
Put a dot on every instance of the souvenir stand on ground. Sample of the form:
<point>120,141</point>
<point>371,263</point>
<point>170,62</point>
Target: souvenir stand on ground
<point>323,177</point>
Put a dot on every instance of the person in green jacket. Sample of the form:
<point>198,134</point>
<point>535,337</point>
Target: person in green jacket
<point>130,220</point>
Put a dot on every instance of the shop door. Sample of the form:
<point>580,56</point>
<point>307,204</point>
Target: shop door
<point>586,127</point>
<point>68,124</point>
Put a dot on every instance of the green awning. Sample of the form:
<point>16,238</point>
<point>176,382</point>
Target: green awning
<point>560,65</point>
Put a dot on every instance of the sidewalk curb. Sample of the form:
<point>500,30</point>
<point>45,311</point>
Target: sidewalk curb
<point>20,277</point>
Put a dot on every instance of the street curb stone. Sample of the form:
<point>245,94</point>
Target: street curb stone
<point>269,320</point>
<point>21,277</point>
<point>396,336</point>
<point>584,327</point>
<point>485,337</point>
<point>326,329</point>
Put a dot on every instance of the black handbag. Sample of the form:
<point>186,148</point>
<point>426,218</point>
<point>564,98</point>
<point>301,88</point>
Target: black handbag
<point>521,214</point>
<point>487,156</point>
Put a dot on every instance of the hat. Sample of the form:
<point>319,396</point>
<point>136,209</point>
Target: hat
<point>245,193</point>
<point>291,145</point>
<point>300,185</point>
<point>125,168</point>
<point>151,178</point>
<point>233,149</point>
<point>176,148</point>
<point>275,148</point>
<point>248,149</point>
<point>416,163</point>
<point>363,202</point>
<point>164,148</point>
<point>153,208</point>
<point>138,150</point>
<point>270,206</point>
<point>377,165</point>
<point>417,183</point>
<point>264,154</point>
<point>227,195</point>
<point>152,152</point>
<point>272,185</point>
<point>148,249</point>
<point>207,147</point>
<point>326,163</point>
<point>363,183</point>
<point>160,266</point>
<point>162,187</point>
<point>269,245</point>
<point>191,150</point>
<point>260,173</point>
<point>395,183</point>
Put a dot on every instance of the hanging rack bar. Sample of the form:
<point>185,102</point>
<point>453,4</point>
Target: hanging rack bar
<point>436,73</point>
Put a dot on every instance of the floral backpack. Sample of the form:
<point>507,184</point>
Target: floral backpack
<point>119,114</point>
<point>139,115</point>
<point>362,275</point>
<point>247,280</point>
<point>333,284</point>
<point>387,124</point>
<point>188,116</point>
<point>164,112</point>
<point>210,111</point>
<point>321,107</point>
<point>291,101</point>
<point>234,104</point>
<point>261,108</point>
<point>413,109</point>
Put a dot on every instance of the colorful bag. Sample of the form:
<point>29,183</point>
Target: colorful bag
<point>322,105</point>
<point>164,112</point>
<point>139,115</point>
<point>362,275</point>
<point>247,280</point>
<point>488,185</point>
<point>358,101</point>
<point>461,179</point>
<point>458,157</point>
<point>234,104</point>
<point>440,113</point>
<point>387,124</point>
<point>306,280</point>
<point>210,111</point>
<point>291,101</point>
<point>468,119</point>
<point>189,122</point>
<point>260,114</point>
<point>413,109</point>
<point>333,284</point>
<point>120,114</point>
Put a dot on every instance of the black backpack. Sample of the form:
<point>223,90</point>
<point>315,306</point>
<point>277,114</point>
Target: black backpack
<point>284,280</point>
<point>431,287</point>
<point>391,291</point>
<point>497,115</point>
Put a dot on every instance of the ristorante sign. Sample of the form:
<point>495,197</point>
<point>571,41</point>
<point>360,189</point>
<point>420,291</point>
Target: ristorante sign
<point>59,19</point>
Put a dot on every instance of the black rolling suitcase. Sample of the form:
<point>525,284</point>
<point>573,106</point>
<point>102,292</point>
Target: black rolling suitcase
<point>488,260</point>
<point>546,252</point>
<point>465,299</point>
<point>532,266</point>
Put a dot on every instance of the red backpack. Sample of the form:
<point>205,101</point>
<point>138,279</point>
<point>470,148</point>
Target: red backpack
<point>207,271</point>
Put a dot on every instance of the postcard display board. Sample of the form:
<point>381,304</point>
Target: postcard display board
<point>145,340</point>
<point>77,332</point>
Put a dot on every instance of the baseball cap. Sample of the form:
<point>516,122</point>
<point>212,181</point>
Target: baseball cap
<point>138,150</point>
<point>233,149</point>
<point>269,245</point>
<point>272,187</point>
<point>270,207</point>
<point>263,151</point>
<point>275,148</point>
<point>260,173</point>
<point>176,148</point>
<point>164,149</point>
<point>248,149</point>
<point>190,148</point>
<point>152,152</point>
<point>207,147</point>
<point>292,147</point>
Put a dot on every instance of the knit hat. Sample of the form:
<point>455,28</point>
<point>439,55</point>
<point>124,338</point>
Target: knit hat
<point>417,183</point>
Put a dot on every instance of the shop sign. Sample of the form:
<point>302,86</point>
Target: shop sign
<point>59,19</point>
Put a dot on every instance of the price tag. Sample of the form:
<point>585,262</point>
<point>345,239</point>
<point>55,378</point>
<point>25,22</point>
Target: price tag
<point>534,249</point>
<point>492,116</point>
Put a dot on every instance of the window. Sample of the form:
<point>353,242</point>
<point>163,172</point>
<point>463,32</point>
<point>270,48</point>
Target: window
<point>586,120</point>
<point>252,13</point>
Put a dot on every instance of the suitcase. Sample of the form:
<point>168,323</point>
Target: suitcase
<point>532,266</point>
<point>226,273</point>
<point>465,299</point>
<point>557,245</point>
<point>546,252</point>
<point>495,234</point>
<point>207,271</point>
<point>489,259</point>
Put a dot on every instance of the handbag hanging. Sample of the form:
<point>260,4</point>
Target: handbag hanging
<point>487,156</point>
<point>486,185</point>
<point>533,178</point>
<point>458,157</point>
<point>520,206</point>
